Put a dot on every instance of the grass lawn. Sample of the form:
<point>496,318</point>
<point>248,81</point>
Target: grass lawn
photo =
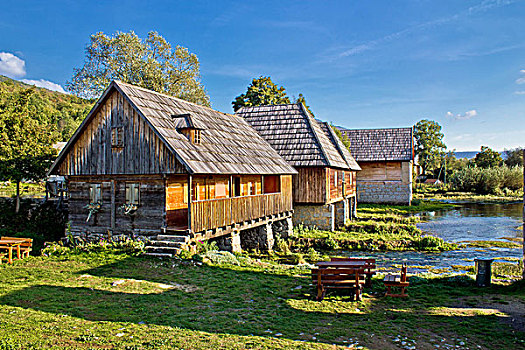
<point>117,301</point>
<point>435,193</point>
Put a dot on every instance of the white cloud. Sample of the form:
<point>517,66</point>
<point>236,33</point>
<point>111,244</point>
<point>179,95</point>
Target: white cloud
<point>467,115</point>
<point>45,84</point>
<point>12,66</point>
<point>522,79</point>
<point>519,92</point>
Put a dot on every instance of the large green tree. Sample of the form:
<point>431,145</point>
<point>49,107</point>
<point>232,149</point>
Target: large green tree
<point>488,158</point>
<point>26,150</point>
<point>151,63</point>
<point>514,157</point>
<point>262,91</point>
<point>429,146</point>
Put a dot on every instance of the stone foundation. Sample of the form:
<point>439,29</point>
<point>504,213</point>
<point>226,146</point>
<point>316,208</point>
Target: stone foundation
<point>394,192</point>
<point>319,216</point>
<point>258,238</point>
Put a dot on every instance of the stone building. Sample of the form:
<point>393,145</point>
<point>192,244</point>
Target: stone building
<point>324,189</point>
<point>386,157</point>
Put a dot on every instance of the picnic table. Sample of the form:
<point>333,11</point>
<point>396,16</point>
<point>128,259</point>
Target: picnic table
<point>349,273</point>
<point>10,243</point>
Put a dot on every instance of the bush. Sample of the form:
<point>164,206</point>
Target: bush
<point>41,221</point>
<point>487,181</point>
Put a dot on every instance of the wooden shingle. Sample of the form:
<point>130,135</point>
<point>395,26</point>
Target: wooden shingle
<point>298,137</point>
<point>394,144</point>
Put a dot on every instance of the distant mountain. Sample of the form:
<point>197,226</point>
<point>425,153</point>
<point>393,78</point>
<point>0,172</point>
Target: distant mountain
<point>472,154</point>
<point>64,110</point>
<point>466,154</point>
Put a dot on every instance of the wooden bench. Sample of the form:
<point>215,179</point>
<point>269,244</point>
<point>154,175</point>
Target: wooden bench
<point>25,247</point>
<point>398,281</point>
<point>338,278</point>
<point>369,267</point>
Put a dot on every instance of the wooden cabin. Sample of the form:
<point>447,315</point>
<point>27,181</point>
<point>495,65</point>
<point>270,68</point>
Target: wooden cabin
<point>324,189</point>
<point>148,165</point>
<point>386,157</point>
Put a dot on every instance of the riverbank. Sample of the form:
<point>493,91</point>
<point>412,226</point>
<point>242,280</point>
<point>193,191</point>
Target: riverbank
<point>375,228</point>
<point>439,194</point>
<point>117,301</point>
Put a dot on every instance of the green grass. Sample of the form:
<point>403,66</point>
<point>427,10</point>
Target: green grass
<point>26,189</point>
<point>469,197</point>
<point>108,301</point>
<point>376,228</point>
<point>417,207</point>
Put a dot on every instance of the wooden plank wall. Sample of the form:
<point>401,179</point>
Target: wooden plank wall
<point>148,220</point>
<point>309,185</point>
<point>380,171</point>
<point>142,153</point>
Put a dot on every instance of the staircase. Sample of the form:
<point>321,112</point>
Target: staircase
<point>168,244</point>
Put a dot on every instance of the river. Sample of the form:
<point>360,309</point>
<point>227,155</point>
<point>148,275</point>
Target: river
<point>470,222</point>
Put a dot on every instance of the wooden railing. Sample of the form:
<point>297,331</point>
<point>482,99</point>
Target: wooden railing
<point>213,213</point>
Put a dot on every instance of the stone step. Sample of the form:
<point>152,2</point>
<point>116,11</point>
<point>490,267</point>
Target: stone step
<point>158,243</point>
<point>159,255</point>
<point>173,238</point>
<point>163,249</point>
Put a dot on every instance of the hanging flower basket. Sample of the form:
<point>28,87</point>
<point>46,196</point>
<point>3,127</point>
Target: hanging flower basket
<point>92,208</point>
<point>128,209</point>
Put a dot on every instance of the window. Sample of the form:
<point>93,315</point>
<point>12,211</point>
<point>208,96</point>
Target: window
<point>197,137</point>
<point>220,189</point>
<point>250,188</point>
<point>95,193</point>
<point>132,194</point>
<point>117,136</point>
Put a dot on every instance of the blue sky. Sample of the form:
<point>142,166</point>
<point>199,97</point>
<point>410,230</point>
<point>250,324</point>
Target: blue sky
<point>360,64</point>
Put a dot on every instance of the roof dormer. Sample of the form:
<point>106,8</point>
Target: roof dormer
<point>189,126</point>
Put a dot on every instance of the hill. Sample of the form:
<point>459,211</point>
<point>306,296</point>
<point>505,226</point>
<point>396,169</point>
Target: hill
<point>66,111</point>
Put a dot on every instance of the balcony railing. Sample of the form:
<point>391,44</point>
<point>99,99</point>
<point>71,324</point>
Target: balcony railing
<point>213,213</point>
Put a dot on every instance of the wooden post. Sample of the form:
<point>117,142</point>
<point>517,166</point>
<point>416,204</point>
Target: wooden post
<point>113,203</point>
<point>190,186</point>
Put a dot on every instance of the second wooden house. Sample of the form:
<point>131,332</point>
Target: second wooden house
<point>148,165</point>
<point>324,189</point>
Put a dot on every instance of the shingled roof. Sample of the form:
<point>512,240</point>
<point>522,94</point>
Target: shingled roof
<point>298,137</point>
<point>381,144</point>
<point>229,145</point>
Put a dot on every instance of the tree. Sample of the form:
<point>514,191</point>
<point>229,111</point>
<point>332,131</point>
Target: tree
<point>429,146</point>
<point>343,137</point>
<point>487,158</point>
<point>514,157</point>
<point>26,150</point>
<point>302,99</point>
<point>262,91</point>
<point>149,63</point>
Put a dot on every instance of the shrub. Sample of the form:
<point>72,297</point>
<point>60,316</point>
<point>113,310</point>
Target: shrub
<point>487,181</point>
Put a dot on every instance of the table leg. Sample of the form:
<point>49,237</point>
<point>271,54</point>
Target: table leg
<point>10,255</point>
<point>18,252</point>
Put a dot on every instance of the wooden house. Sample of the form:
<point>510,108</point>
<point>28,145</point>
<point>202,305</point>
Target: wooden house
<point>386,157</point>
<point>324,189</point>
<point>155,166</point>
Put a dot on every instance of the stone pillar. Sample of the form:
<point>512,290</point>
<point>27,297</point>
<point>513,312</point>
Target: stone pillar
<point>230,243</point>
<point>332,217</point>
<point>260,238</point>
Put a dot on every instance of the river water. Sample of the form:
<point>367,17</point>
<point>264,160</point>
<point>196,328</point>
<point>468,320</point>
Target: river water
<point>470,222</point>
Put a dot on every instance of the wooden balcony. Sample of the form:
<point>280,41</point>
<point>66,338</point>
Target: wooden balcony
<point>214,213</point>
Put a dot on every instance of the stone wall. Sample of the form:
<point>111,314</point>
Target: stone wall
<point>321,216</point>
<point>394,192</point>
